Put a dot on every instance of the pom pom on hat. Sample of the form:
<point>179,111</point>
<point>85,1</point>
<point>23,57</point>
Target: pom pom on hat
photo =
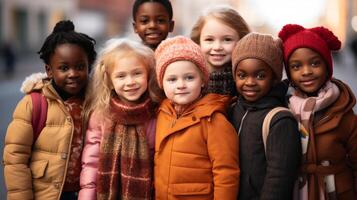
<point>319,39</point>
<point>179,48</point>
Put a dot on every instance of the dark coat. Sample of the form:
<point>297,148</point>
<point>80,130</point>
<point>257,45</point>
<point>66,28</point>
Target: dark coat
<point>271,175</point>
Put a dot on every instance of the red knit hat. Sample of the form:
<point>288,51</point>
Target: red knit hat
<point>319,39</point>
<point>177,49</point>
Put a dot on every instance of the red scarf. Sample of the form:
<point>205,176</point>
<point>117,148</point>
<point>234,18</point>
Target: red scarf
<point>125,170</point>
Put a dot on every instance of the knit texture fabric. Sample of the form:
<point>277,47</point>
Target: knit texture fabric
<point>124,168</point>
<point>222,82</point>
<point>319,39</point>
<point>179,48</point>
<point>260,46</point>
<point>71,183</point>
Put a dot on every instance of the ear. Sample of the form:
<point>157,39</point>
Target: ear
<point>134,27</point>
<point>172,25</point>
<point>49,71</point>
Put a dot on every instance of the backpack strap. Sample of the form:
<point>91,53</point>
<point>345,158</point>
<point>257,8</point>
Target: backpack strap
<point>266,123</point>
<point>39,114</point>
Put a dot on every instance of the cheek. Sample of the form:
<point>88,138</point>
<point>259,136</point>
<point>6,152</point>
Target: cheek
<point>229,48</point>
<point>205,47</point>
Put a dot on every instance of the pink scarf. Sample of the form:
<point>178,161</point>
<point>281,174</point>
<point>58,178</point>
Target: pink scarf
<point>304,109</point>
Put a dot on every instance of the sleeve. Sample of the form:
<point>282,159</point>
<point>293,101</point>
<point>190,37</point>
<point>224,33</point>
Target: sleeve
<point>222,143</point>
<point>17,152</point>
<point>352,147</point>
<point>283,158</point>
<point>90,159</point>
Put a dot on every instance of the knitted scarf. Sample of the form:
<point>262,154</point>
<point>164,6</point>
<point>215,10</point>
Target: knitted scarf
<point>124,170</point>
<point>304,108</point>
<point>222,82</point>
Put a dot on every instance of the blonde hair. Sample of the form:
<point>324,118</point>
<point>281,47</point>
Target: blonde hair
<point>100,88</point>
<point>224,13</point>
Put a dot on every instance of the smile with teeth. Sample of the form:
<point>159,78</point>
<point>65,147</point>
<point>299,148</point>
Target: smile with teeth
<point>153,35</point>
<point>250,92</point>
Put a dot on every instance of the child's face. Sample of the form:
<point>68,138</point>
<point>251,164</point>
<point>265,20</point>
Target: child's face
<point>152,23</point>
<point>254,79</point>
<point>129,78</point>
<point>217,42</point>
<point>182,82</point>
<point>307,69</point>
<point>68,67</point>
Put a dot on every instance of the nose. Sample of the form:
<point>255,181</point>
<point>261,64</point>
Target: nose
<point>306,70</point>
<point>73,73</point>
<point>130,81</point>
<point>250,81</point>
<point>217,45</point>
<point>181,84</point>
<point>152,24</point>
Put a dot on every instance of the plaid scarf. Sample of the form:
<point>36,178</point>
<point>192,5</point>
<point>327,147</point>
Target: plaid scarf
<point>304,109</point>
<point>125,170</point>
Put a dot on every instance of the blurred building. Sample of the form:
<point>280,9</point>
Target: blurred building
<point>25,23</point>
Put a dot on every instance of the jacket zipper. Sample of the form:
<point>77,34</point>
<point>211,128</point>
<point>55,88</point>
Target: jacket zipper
<point>241,122</point>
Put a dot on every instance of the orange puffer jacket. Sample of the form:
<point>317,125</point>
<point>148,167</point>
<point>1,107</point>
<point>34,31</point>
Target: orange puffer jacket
<point>196,155</point>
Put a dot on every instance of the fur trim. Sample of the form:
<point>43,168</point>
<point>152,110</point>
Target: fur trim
<point>33,82</point>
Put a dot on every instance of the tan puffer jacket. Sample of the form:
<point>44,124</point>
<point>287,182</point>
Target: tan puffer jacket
<point>37,172</point>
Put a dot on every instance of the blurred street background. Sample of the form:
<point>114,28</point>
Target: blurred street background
<point>24,24</point>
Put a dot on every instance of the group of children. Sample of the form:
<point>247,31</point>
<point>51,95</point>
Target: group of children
<point>183,118</point>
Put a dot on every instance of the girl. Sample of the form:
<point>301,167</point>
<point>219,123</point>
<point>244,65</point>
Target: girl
<point>323,105</point>
<point>117,162</point>
<point>217,31</point>
<point>152,21</point>
<point>48,167</point>
<point>196,147</point>
<point>268,169</point>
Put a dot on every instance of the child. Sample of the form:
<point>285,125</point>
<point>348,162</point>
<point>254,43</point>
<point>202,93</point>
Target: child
<point>196,147</point>
<point>257,67</point>
<point>217,31</point>
<point>117,162</point>
<point>323,105</point>
<point>152,21</point>
<point>49,167</point>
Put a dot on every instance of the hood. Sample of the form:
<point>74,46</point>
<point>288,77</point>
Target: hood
<point>204,107</point>
<point>33,82</point>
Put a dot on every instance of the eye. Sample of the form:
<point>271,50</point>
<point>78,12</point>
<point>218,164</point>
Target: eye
<point>81,67</point>
<point>143,20</point>
<point>208,40</point>
<point>228,39</point>
<point>294,66</point>
<point>138,73</point>
<point>63,67</point>
<point>161,20</point>
<point>189,77</point>
<point>241,75</point>
<point>120,76</point>
<point>316,63</point>
<point>261,76</point>
<point>171,79</point>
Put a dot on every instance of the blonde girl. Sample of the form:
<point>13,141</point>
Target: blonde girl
<point>217,31</point>
<point>117,161</point>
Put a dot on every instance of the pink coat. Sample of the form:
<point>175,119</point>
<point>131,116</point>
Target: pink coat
<point>90,155</point>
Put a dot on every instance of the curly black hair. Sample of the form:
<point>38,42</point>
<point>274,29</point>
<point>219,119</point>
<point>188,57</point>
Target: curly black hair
<point>64,33</point>
<point>165,3</point>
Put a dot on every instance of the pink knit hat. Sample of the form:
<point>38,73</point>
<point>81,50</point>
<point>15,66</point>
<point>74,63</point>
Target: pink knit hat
<point>179,48</point>
<point>319,39</point>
